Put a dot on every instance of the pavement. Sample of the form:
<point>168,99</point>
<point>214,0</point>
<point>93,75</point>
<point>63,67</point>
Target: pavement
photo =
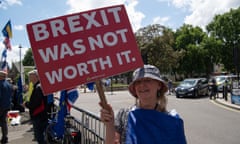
<point>23,134</point>
<point>227,103</point>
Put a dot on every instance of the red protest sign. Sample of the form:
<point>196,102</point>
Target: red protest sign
<point>83,47</point>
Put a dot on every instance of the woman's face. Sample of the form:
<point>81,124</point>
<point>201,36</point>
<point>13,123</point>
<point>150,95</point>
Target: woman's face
<point>33,78</point>
<point>146,88</point>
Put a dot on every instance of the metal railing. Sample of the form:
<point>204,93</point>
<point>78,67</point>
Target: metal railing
<point>91,128</point>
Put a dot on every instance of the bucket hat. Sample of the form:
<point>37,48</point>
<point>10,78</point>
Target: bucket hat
<point>34,72</point>
<point>148,71</point>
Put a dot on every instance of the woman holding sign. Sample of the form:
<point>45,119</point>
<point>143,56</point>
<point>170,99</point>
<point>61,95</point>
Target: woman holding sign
<point>148,121</point>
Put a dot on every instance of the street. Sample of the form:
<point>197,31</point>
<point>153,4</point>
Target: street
<point>205,121</point>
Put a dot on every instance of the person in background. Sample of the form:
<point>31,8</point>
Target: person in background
<point>37,106</point>
<point>225,90</point>
<point>148,121</point>
<point>16,97</point>
<point>169,86</point>
<point>214,90</point>
<point>14,103</point>
<point>5,104</point>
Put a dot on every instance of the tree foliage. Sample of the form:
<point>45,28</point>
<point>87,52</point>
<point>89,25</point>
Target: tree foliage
<point>156,45</point>
<point>226,28</point>
<point>189,39</point>
<point>28,58</point>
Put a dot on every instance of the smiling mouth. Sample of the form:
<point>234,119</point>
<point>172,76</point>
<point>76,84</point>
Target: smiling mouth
<point>144,91</point>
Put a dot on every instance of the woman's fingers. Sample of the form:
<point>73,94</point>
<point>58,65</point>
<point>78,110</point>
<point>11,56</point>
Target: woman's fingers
<point>106,114</point>
<point>106,106</point>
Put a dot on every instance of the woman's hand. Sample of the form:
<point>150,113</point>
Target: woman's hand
<point>107,117</point>
<point>106,114</point>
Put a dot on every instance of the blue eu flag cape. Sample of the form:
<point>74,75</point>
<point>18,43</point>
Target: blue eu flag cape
<point>153,127</point>
<point>67,99</point>
<point>59,126</point>
<point>20,90</point>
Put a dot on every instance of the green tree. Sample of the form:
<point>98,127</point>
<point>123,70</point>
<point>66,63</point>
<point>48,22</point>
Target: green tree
<point>156,45</point>
<point>28,58</point>
<point>212,53</point>
<point>189,39</point>
<point>226,28</point>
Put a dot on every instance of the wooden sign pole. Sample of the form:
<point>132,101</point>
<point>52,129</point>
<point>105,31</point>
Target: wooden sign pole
<point>101,93</point>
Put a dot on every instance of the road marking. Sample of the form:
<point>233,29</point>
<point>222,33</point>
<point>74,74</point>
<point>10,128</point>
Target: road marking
<point>223,106</point>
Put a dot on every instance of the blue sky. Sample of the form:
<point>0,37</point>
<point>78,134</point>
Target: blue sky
<point>170,13</point>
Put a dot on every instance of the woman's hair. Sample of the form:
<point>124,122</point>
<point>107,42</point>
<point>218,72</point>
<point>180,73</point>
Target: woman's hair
<point>162,101</point>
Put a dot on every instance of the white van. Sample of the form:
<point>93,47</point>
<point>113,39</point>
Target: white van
<point>221,79</point>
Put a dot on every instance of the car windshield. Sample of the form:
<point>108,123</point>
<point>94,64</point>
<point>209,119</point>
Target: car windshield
<point>220,79</point>
<point>188,83</point>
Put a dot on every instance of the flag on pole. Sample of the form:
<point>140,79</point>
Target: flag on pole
<point>7,30</point>
<point>67,99</point>
<point>72,96</point>
<point>7,33</point>
<point>4,54</point>
<point>91,86</point>
<point>20,90</point>
<point>7,43</point>
<point>58,128</point>
<point>4,66</point>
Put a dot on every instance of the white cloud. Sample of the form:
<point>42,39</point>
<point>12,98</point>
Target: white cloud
<point>181,3</point>
<point>6,3</point>
<point>13,2</point>
<point>19,27</point>
<point>83,5</point>
<point>162,21</point>
<point>203,11</point>
<point>135,17</point>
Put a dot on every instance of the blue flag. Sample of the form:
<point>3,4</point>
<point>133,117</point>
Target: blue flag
<point>4,66</point>
<point>50,98</point>
<point>72,96</point>
<point>59,126</point>
<point>7,30</point>
<point>90,86</point>
<point>153,127</point>
<point>67,99</point>
<point>7,33</point>
<point>4,54</point>
<point>20,90</point>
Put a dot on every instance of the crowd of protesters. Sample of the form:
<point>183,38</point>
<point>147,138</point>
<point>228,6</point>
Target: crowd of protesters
<point>13,98</point>
<point>30,98</point>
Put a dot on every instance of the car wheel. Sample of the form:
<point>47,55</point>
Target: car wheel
<point>205,92</point>
<point>177,96</point>
<point>196,94</point>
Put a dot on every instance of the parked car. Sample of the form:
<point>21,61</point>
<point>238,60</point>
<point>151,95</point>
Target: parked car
<point>192,87</point>
<point>222,79</point>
